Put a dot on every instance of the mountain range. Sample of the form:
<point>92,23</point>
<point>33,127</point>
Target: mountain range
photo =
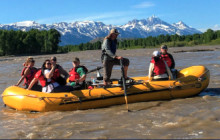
<point>85,31</point>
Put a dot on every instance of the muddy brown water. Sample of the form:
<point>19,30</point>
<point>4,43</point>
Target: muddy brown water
<point>196,117</point>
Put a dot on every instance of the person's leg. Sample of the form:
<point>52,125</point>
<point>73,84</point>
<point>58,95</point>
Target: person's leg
<point>37,87</point>
<point>108,65</point>
<point>160,79</point>
<point>126,64</point>
<point>62,89</point>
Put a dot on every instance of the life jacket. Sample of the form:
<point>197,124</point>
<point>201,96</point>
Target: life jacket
<point>29,77</point>
<point>159,67</point>
<point>43,80</point>
<point>74,75</point>
<point>166,58</point>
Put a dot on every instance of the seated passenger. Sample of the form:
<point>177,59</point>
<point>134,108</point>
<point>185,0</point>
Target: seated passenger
<point>47,77</point>
<point>169,59</point>
<point>63,72</point>
<point>158,69</point>
<point>28,73</point>
<point>78,75</point>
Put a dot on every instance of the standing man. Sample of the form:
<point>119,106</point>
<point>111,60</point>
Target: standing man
<point>167,57</point>
<point>109,57</point>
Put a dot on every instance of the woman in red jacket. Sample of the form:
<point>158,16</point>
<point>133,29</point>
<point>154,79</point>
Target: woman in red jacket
<point>28,73</point>
<point>47,76</point>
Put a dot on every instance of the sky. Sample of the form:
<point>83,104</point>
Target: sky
<point>199,14</point>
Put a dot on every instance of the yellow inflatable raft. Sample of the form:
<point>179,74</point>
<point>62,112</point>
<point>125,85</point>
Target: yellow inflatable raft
<point>190,81</point>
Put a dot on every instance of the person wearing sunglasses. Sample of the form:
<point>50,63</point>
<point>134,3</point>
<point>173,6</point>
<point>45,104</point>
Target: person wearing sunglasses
<point>48,76</point>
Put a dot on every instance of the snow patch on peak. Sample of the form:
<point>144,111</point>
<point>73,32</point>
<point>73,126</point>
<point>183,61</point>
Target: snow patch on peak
<point>26,23</point>
<point>180,25</point>
<point>152,18</point>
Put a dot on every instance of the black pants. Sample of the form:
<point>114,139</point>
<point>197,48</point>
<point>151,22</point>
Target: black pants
<point>35,87</point>
<point>161,79</point>
<point>108,65</point>
<point>62,89</point>
<point>80,86</point>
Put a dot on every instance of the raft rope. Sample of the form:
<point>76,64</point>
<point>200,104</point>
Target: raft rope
<point>200,79</point>
<point>42,97</point>
<point>64,99</point>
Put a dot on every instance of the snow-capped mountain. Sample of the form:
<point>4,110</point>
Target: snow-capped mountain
<point>82,32</point>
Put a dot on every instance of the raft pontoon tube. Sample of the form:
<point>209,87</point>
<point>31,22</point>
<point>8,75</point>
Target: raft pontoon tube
<point>190,81</point>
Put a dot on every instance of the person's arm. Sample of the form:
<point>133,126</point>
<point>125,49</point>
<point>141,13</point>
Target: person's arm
<point>151,67</point>
<point>50,73</point>
<point>32,83</point>
<point>168,71</point>
<point>26,72</point>
<point>172,60</point>
<point>106,46</point>
<point>82,75</point>
<point>81,79</point>
<point>64,72</point>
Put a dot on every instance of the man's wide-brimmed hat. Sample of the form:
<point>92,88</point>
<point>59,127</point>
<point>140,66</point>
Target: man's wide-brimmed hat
<point>114,31</point>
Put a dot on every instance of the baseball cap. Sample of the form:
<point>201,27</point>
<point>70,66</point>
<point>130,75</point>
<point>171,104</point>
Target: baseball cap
<point>156,53</point>
<point>164,47</point>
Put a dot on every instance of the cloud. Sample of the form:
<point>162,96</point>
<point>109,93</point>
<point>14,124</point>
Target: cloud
<point>115,18</point>
<point>144,5</point>
<point>215,27</point>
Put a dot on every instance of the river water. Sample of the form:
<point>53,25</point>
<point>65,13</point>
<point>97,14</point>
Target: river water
<point>196,117</point>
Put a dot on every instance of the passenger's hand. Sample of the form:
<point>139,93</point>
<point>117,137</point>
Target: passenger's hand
<point>54,65</point>
<point>119,57</point>
<point>77,80</point>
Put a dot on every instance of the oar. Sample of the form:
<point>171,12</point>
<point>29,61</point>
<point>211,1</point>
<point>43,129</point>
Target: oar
<point>124,86</point>
<point>98,68</point>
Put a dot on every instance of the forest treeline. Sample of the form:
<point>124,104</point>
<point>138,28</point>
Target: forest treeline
<point>150,42</point>
<point>44,42</point>
<point>31,42</point>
